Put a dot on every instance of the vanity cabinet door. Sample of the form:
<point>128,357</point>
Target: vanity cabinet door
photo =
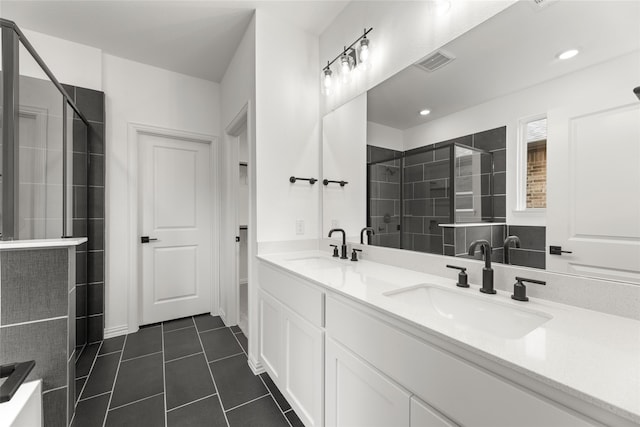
<point>423,415</point>
<point>304,367</point>
<point>270,312</point>
<point>357,395</point>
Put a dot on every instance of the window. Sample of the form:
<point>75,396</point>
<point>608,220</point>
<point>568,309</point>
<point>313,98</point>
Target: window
<point>535,133</point>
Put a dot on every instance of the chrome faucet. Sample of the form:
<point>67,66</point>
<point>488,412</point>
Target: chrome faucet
<point>370,232</point>
<point>343,252</point>
<point>507,245</point>
<point>487,271</point>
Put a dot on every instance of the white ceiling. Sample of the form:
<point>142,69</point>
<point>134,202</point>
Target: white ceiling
<point>513,50</point>
<point>197,38</point>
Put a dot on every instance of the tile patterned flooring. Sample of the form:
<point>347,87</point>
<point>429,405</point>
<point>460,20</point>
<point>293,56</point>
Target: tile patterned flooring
<point>184,372</point>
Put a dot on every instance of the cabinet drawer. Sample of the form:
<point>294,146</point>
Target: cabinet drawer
<point>305,299</point>
<point>460,391</point>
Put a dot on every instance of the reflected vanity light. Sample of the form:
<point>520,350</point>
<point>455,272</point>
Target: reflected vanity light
<point>442,6</point>
<point>425,112</point>
<point>351,61</point>
<point>327,81</point>
<point>568,54</point>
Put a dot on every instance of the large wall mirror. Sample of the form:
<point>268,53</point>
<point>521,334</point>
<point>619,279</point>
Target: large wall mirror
<point>497,136</point>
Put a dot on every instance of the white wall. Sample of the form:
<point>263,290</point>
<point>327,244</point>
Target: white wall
<point>138,93</point>
<point>344,156</point>
<point>72,63</point>
<point>509,110</point>
<point>287,130</point>
<point>384,136</point>
<point>403,32</point>
<point>238,89</point>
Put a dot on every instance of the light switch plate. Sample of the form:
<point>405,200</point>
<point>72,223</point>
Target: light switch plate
<point>299,227</point>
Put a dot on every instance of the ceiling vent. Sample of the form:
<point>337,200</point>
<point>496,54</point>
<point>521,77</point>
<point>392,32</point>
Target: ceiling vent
<point>434,61</point>
<point>539,4</point>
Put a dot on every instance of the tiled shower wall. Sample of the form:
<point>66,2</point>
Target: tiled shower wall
<point>88,213</point>
<point>37,322</point>
<point>532,251</point>
<point>426,198</point>
<point>383,194</point>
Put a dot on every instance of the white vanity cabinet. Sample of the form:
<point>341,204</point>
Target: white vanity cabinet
<point>423,415</point>
<point>359,395</point>
<point>435,387</point>
<point>292,340</point>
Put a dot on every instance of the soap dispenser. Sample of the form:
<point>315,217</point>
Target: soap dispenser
<point>462,276</point>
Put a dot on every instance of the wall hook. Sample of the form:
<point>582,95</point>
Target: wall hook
<point>294,179</point>
<point>328,181</point>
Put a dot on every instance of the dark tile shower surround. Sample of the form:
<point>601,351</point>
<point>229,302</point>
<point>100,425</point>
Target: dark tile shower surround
<point>425,193</point>
<point>88,213</point>
<point>184,372</point>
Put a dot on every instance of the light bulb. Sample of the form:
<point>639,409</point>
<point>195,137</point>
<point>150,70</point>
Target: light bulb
<point>568,54</point>
<point>327,78</point>
<point>345,67</point>
<point>425,112</point>
<point>364,49</point>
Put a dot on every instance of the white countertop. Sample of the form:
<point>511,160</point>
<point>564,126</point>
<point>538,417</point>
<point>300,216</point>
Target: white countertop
<point>591,355</point>
<point>42,243</point>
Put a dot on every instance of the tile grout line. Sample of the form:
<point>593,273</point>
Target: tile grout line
<point>94,396</point>
<point>178,329</point>
<point>107,354</point>
<point>193,401</point>
<point>275,401</point>
<point>164,376</point>
<point>212,378</point>
<point>106,413</point>
<point>209,330</point>
<point>183,357</point>
<point>249,401</point>
<point>135,401</point>
<point>264,383</point>
<point>226,357</point>
<point>89,374</point>
<point>138,357</point>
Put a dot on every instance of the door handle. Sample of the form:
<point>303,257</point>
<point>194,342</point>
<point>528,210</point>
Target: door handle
<point>147,239</point>
<point>557,250</point>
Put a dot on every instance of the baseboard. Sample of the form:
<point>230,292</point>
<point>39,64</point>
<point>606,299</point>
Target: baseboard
<point>116,331</point>
<point>256,367</point>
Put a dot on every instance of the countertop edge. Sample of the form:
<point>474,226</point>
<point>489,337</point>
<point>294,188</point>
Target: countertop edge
<point>42,243</point>
<point>547,381</point>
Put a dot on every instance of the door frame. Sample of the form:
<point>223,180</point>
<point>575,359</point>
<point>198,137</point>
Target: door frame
<point>232,132</point>
<point>135,272</point>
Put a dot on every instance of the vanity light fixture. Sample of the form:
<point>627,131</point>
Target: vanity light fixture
<point>568,54</point>
<point>364,48</point>
<point>349,60</point>
<point>327,77</point>
<point>425,112</point>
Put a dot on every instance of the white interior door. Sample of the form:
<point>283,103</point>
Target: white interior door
<point>594,192</point>
<point>176,210</point>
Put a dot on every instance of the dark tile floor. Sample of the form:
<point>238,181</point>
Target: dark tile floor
<point>184,372</point>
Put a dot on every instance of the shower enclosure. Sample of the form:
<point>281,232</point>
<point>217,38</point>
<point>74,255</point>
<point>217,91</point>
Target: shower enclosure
<point>39,122</point>
<point>411,194</point>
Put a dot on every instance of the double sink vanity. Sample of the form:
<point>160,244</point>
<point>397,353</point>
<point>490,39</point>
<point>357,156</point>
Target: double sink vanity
<point>364,343</point>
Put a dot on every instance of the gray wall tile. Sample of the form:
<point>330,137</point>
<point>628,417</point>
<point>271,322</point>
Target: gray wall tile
<point>34,284</point>
<point>54,408</point>
<point>45,342</point>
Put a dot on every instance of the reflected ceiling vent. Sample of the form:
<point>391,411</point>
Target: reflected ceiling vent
<point>434,61</point>
<point>538,4</point>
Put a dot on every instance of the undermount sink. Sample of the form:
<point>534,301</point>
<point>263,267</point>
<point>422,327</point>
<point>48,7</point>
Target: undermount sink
<point>472,311</point>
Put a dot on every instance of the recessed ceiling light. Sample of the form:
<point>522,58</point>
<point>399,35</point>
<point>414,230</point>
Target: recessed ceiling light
<point>425,112</point>
<point>567,54</point>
